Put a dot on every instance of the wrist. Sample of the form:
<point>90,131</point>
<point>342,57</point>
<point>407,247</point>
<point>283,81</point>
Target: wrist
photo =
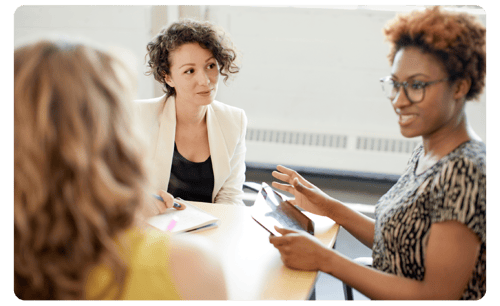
<point>325,259</point>
<point>335,206</point>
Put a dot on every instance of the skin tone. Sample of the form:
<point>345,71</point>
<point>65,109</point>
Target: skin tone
<point>196,270</point>
<point>194,74</point>
<point>452,248</point>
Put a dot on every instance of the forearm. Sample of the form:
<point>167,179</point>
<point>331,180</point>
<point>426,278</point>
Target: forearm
<point>379,285</point>
<point>356,223</point>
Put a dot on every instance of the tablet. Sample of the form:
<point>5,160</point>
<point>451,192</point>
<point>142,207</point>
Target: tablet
<point>271,209</point>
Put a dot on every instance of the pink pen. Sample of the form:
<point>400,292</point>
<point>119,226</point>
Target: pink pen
<point>172,223</point>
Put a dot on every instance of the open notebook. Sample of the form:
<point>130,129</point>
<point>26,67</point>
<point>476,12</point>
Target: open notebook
<point>188,220</point>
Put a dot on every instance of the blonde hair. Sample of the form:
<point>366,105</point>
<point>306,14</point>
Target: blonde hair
<point>78,175</point>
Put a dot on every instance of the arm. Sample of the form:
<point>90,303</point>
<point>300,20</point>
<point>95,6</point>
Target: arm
<point>232,189</point>
<point>451,255</point>
<point>196,270</point>
<point>312,199</point>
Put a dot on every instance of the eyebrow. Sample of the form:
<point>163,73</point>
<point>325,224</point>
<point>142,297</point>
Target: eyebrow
<point>193,64</point>
<point>412,76</point>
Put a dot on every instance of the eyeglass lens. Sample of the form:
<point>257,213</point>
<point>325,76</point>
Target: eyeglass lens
<point>414,92</point>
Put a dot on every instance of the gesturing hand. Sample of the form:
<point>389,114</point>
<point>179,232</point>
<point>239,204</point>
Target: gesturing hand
<point>307,196</point>
<point>299,250</point>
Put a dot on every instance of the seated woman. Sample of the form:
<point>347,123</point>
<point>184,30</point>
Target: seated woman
<point>198,144</point>
<point>429,233</point>
<point>80,188</point>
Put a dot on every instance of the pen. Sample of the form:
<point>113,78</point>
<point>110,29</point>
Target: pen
<point>176,205</point>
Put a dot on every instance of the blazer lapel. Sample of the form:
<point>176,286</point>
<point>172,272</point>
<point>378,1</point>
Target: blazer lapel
<point>218,151</point>
<point>165,144</point>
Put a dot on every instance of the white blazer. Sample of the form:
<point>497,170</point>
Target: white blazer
<point>226,126</point>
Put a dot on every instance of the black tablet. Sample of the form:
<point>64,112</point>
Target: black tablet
<point>271,209</point>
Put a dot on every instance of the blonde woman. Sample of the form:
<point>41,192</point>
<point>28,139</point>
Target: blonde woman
<point>197,143</point>
<point>80,185</point>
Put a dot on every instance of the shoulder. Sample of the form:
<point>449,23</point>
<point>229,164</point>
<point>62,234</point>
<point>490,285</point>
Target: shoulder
<point>227,110</point>
<point>459,187</point>
<point>149,110</point>
<point>197,269</point>
<point>146,247</point>
<point>150,263</point>
<point>153,105</point>
<point>468,159</point>
<point>231,119</point>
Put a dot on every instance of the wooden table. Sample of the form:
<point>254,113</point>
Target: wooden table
<point>252,266</point>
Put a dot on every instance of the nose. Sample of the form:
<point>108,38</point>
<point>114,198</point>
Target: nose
<point>203,78</point>
<point>401,99</point>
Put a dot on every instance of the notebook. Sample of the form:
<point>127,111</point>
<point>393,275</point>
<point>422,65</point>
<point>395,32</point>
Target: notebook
<point>188,220</point>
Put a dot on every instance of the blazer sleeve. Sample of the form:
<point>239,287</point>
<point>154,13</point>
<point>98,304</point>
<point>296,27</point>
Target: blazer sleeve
<point>231,191</point>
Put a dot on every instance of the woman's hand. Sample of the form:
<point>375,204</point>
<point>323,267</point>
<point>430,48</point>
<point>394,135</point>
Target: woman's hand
<point>307,196</point>
<point>168,202</point>
<point>299,250</point>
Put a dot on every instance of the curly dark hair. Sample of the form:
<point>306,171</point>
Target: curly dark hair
<point>188,31</point>
<point>457,40</point>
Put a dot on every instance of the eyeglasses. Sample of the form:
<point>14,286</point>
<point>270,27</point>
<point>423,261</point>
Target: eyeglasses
<point>414,90</point>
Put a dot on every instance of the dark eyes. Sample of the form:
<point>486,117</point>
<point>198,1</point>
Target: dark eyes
<point>411,84</point>
<point>417,85</point>
<point>210,66</point>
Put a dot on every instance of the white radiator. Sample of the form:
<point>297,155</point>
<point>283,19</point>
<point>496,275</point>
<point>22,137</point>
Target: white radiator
<point>337,152</point>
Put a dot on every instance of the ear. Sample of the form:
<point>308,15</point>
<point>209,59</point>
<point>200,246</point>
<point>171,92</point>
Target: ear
<point>169,81</point>
<point>462,88</point>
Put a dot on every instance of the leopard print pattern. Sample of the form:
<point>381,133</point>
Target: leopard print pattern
<point>453,189</point>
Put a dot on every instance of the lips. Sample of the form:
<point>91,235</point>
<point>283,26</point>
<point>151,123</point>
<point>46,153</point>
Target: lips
<point>406,119</point>
<point>205,93</point>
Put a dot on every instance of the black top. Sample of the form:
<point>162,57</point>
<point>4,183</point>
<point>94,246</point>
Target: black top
<point>189,180</point>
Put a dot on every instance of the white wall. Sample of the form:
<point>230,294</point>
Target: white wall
<point>112,26</point>
<point>317,71</point>
<point>313,70</point>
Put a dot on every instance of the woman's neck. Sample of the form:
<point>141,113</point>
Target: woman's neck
<point>190,114</point>
<point>444,141</point>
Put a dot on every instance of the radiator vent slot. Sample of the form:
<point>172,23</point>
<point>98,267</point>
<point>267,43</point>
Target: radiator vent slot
<point>358,143</point>
<point>297,138</point>
<point>385,145</point>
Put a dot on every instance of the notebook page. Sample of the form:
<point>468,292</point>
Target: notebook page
<point>188,219</point>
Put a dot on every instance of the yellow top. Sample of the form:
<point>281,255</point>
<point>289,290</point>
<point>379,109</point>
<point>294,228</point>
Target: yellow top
<point>146,253</point>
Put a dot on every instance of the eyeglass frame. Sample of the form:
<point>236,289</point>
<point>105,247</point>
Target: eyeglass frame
<point>405,85</point>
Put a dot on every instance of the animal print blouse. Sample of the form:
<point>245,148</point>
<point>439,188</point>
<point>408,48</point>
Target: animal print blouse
<point>453,189</point>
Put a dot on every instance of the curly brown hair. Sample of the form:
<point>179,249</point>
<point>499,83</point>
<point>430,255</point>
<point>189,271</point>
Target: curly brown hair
<point>458,40</point>
<point>186,31</point>
<point>78,176</point>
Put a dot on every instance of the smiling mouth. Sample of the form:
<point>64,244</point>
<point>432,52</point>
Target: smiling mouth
<point>405,119</point>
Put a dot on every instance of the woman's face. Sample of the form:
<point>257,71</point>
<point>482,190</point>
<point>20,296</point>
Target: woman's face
<point>438,111</point>
<point>194,73</point>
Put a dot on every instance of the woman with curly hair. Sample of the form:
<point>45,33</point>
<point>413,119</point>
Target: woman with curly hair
<point>197,143</point>
<point>80,186</point>
<point>429,233</point>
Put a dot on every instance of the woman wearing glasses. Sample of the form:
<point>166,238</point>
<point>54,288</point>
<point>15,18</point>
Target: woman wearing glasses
<point>197,143</point>
<point>429,233</point>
